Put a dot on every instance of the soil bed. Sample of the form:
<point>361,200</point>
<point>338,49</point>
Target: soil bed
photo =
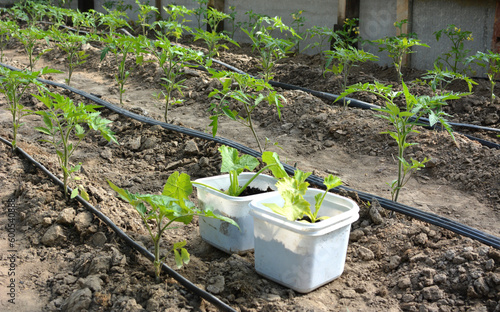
<point>67,260</point>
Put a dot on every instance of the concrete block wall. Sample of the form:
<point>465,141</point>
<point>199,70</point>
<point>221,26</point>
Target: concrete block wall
<point>376,20</point>
<point>322,13</point>
<point>430,16</point>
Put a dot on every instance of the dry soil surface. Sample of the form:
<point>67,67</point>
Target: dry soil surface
<point>65,259</point>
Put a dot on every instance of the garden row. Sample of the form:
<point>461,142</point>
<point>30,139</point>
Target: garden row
<point>65,124</point>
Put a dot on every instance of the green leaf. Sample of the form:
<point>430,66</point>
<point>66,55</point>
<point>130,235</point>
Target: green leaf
<point>179,244</point>
<point>74,193</point>
<point>273,163</point>
<point>178,186</point>
<point>232,162</point>
<point>178,259</point>
<point>332,182</point>
<point>104,52</point>
<point>141,209</point>
<point>229,113</point>
<point>214,124</point>
<point>124,194</point>
<point>294,207</point>
<point>43,130</point>
<point>185,256</point>
<point>84,194</point>
<point>210,214</point>
<point>47,121</point>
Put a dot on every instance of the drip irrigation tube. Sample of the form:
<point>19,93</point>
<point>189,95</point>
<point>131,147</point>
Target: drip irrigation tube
<point>129,241</point>
<point>385,203</point>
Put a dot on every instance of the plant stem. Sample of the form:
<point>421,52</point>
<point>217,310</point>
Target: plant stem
<point>250,124</point>
<point>157,261</point>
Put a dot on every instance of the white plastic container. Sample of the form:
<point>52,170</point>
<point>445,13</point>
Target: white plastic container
<point>223,235</point>
<point>302,256</point>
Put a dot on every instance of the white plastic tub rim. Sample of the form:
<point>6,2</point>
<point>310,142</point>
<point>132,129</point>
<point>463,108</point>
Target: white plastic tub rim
<point>341,211</point>
<point>221,182</point>
<point>223,235</point>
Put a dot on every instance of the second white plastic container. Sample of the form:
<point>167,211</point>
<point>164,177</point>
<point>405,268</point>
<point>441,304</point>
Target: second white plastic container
<point>302,256</point>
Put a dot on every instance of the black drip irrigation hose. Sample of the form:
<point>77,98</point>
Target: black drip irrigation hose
<point>129,241</point>
<point>385,203</point>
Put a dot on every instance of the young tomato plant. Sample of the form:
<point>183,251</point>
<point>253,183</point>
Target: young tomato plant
<point>144,15</point>
<point>250,92</point>
<point>270,49</point>
<point>298,21</point>
<point>121,46</point>
<point>235,165</point>
<point>404,121</point>
<point>174,24</point>
<point>114,19</point>
<point>14,84</point>
<point>348,35</point>
<point>7,28</point>
<point>63,119</point>
<point>35,10</point>
<point>343,59</point>
<point>91,20</point>
<point>71,44</point>
<point>232,20</point>
<point>323,36</point>
<point>28,38</point>
<point>490,61</point>
<point>439,79</point>
<point>212,38</point>
<point>171,206</point>
<point>293,189</point>
<point>457,54</point>
<point>200,12</point>
<point>171,59</point>
<point>398,47</point>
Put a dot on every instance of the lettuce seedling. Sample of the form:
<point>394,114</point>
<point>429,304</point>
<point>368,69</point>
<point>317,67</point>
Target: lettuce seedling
<point>293,189</point>
<point>235,165</point>
<point>171,206</point>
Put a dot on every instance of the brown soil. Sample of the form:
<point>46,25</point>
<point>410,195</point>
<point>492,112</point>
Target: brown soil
<point>67,260</point>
